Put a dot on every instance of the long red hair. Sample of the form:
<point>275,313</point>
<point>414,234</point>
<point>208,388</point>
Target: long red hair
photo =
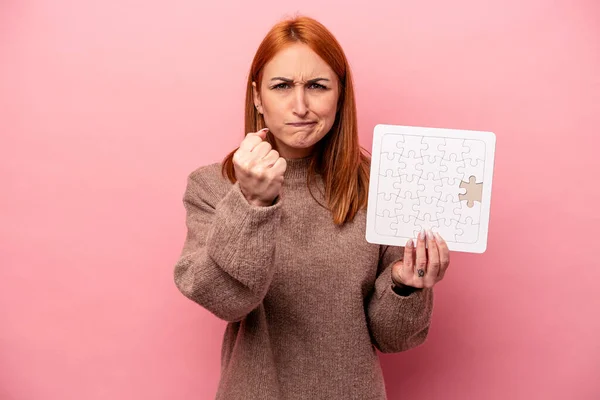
<point>338,157</point>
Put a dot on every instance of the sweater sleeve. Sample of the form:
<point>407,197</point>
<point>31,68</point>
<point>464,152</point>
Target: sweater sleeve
<point>226,264</point>
<point>396,322</point>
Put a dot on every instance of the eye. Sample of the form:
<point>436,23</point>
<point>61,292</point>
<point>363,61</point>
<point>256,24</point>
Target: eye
<point>317,86</point>
<point>280,86</point>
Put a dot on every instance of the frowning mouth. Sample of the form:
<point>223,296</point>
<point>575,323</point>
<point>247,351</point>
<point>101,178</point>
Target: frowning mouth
<point>300,124</point>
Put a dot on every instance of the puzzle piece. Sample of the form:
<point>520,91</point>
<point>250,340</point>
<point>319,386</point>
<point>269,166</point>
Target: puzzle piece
<point>388,183</point>
<point>408,201</point>
<point>388,202</point>
<point>453,166</point>
<point>409,184</point>
<point>448,229</point>
<point>433,147</point>
<point>428,221</point>
<point>465,212</point>
<point>391,143</point>
<point>470,232</point>
<point>389,162</point>
<point>409,163</point>
<point>430,185</point>
<point>450,190</point>
<point>407,229</point>
<point>454,146</point>
<point>415,144</point>
<point>431,165</point>
<point>473,193</point>
<point>450,209</point>
<point>384,224</point>
<point>476,151</point>
<point>429,207</point>
<point>472,170</point>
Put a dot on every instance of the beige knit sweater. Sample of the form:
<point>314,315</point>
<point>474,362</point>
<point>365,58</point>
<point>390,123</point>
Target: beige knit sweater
<point>307,301</point>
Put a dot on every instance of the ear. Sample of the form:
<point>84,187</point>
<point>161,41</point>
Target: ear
<point>256,97</point>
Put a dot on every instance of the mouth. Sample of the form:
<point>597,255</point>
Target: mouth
<point>301,124</point>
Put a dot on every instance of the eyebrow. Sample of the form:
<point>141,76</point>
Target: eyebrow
<point>288,80</point>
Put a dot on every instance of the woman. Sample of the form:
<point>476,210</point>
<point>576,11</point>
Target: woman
<point>276,238</point>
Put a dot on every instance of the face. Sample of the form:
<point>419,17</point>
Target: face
<point>298,99</point>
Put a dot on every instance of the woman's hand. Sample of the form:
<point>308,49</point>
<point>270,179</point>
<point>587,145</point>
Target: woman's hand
<point>259,169</point>
<point>428,267</point>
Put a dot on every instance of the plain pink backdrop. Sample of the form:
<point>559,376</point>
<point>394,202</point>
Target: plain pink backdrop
<point>105,107</point>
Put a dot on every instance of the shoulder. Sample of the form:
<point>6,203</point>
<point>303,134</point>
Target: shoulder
<point>208,181</point>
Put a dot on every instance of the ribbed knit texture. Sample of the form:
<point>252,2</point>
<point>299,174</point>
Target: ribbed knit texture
<point>307,302</point>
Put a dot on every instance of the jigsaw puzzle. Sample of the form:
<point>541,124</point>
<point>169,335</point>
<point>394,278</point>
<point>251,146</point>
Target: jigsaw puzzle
<point>430,178</point>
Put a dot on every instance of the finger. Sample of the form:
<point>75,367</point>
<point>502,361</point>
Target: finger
<point>409,261</point>
<point>433,260</point>
<point>261,150</point>
<point>421,262</point>
<point>279,167</point>
<point>444,255</point>
<point>262,133</point>
<point>271,157</point>
<point>250,142</point>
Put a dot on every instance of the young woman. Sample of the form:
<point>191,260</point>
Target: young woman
<point>276,242</point>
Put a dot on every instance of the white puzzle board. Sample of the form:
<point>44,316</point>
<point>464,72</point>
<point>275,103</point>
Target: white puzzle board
<point>430,178</point>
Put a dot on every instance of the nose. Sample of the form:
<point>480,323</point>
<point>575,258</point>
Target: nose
<point>300,106</point>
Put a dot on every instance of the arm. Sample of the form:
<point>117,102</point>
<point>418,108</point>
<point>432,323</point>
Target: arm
<point>398,318</point>
<point>226,264</point>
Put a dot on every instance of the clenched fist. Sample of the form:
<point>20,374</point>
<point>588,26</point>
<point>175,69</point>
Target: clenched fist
<point>259,169</point>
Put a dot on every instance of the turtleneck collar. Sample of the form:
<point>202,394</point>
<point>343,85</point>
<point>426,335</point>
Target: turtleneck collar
<point>297,168</point>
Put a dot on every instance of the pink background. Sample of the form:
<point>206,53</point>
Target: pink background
<point>105,108</point>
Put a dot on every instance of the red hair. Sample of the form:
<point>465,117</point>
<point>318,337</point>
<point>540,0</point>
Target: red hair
<point>338,157</point>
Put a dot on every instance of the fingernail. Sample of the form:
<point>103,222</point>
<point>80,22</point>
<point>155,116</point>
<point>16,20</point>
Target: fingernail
<point>409,243</point>
<point>422,234</point>
<point>438,237</point>
<point>264,129</point>
<point>429,234</point>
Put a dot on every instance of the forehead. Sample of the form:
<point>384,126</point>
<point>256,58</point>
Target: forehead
<point>297,61</point>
